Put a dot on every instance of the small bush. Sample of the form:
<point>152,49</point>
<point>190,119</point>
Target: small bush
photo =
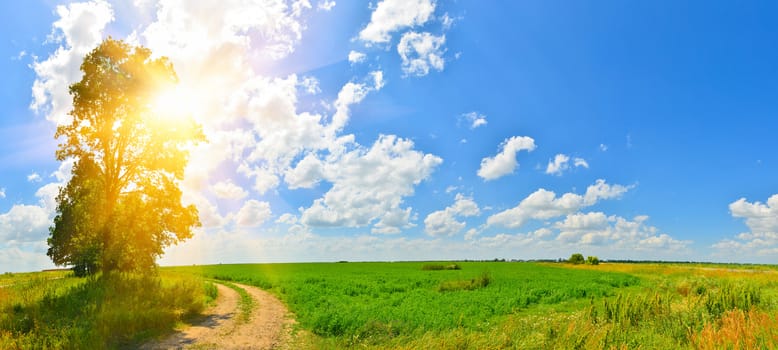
<point>592,260</point>
<point>438,267</point>
<point>472,284</point>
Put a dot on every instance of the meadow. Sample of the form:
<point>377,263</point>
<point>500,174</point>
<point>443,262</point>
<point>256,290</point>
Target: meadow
<point>55,310</point>
<point>493,305</point>
<point>415,305</point>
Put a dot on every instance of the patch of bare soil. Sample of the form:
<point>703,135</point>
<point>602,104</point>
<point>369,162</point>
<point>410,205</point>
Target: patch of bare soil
<point>268,327</point>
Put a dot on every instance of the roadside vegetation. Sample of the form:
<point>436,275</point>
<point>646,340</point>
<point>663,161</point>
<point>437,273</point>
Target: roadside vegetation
<point>520,305</point>
<point>60,311</point>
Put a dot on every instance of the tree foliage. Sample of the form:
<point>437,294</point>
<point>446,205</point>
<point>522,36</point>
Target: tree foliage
<point>576,258</point>
<point>592,260</point>
<point>122,206</point>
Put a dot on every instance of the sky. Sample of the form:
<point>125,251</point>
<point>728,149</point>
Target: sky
<point>426,129</point>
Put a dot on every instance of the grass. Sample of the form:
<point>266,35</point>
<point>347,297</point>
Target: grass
<point>38,311</point>
<point>245,304</point>
<point>521,305</point>
<point>410,305</point>
<point>378,303</point>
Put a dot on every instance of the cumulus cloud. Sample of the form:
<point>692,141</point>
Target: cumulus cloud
<point>78,30</point>
<point>228,190</point>
<point>762,221</point>
<point>25,223</point>
<point>597,229</point>
<point>393,15</point>
<point>760,217</point>
<point>253,213</point>
<point>444,222</point>
<point>505,163</point>
<point>2,192</point>
<point>421,52</point>
<point>369,185</point>
<point>561,163</point>
<point>474,119</point>
<point>543,204</point>
<point>356,57</point>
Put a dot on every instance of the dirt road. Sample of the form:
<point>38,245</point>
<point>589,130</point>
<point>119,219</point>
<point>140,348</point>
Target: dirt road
<point>268,327</point>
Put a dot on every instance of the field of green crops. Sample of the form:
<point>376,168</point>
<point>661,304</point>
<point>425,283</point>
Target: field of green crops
<point>483,305</point>
<point>416,305</point>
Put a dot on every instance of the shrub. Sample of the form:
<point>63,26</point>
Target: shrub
<point>438,267</point>
<point>592,260</point>
<point>472,284</point>
<point>576,259</point>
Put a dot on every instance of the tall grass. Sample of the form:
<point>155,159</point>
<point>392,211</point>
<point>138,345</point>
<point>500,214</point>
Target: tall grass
<point>98,312</point>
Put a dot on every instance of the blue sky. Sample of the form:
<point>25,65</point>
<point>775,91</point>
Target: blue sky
<point>421,129</point>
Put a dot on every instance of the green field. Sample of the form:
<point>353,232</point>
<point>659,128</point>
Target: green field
<point>416,305</point>
<point>54,310</point>
<point>520,305</point>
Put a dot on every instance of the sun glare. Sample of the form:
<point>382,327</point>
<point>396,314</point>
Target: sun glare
<point>173,105</point>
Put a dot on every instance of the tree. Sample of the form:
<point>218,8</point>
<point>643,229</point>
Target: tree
<point>576,258</point>
<point>592,260</point>
<point>122,205</point>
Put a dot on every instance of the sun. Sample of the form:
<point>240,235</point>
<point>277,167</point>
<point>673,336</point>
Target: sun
<point>173,104</point>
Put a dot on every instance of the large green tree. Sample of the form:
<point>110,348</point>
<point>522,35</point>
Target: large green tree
<point>122,205</point>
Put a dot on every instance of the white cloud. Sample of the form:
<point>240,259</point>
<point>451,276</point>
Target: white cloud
<point>325,5</point>
<point>760,217</point>
<point>601,190</point>
<point>597,229</point>
<point>474,119</point>
<point>557,165</point>
<point>306,174</point>
<point>543,204</point>
<point>561,163</point>
<point>603,147</point>
<point>2,192</point>
<point>228,190</point>
<point>421,52</point>
<point>29,258</point>
<point>208,211</point>
<point>505,163</point>
<point>356,57</point>
<point>78,30</point>
<point>393,15</point>
<point>192,28</point>
<point>369,185</point>
<point>762,221</point>
<point>353,93</point>
<point>253,213</point>
<point>287,219</point>
<point>34,177</point>
<point>25,223</point>
<point>447,21</point>
<point>310,85</point>
<point>444,222</point>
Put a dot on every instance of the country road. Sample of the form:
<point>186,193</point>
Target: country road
<point>268,326</point>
